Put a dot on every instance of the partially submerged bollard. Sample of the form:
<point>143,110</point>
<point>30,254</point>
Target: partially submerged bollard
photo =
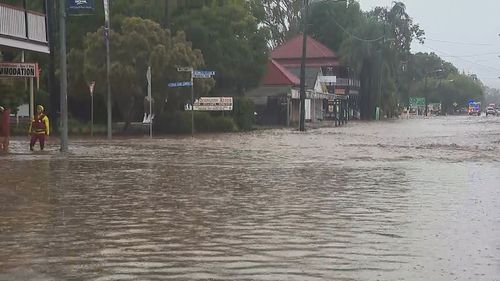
<point>4,129</point>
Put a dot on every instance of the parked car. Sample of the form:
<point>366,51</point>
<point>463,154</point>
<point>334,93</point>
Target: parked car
<point>491,111</point>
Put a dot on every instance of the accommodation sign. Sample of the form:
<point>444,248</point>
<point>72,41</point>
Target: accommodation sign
<point>18,70</point>
<point>80,5</point>
<point>214,104</point>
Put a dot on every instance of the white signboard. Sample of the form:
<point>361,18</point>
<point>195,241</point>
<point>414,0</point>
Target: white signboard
<point>184,69</point>
<point>213,104</point>
<point>203,74</point>
<point>18,70</point>
<point>328,79</point>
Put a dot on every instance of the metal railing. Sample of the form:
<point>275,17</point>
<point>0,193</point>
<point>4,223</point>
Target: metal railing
<point>13,24</point>
<point>36,27</point>
<point>348,82</point>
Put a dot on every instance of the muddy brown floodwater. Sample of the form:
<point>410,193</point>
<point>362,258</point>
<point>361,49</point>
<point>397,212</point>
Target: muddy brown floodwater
<point>400,200</point>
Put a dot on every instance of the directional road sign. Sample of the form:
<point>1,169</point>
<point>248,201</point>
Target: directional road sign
<point>184,69</point>
<point>214,104</point>
<point>417,102</point>
<point>180,84</point>
<point>203,74</point>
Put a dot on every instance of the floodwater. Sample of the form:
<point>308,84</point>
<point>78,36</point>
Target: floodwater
<point>399,200</point>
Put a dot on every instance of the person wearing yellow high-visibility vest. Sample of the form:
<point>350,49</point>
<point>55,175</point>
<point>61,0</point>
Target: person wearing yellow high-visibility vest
<point>39,128</point>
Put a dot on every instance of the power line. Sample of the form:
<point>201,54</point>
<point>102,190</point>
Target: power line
<point>459,43</point>
<point>473,56</point>
<point>462,59</point>
<point>354,36</point>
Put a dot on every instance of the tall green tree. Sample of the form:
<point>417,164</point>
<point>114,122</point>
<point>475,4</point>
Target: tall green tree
<point>141,43</point>
<point>280,17</point>
<point>231,41</point>
<point>330,22</point>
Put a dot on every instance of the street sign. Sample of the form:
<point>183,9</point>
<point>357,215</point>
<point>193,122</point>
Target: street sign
<point>417,102</point>
<point>80,7</point>
<point>213,104</point>
<point>203,74</point>
<point>180,84</point>
<point>184,69</point>
<point>91,87</point>
<point>19,70</point>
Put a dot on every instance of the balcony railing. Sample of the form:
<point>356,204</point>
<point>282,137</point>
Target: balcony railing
<point>13,22</point>
<point>345,82</point>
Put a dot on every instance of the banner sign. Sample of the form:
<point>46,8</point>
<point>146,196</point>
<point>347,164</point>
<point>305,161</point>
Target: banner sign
<point>19,70</point>
<point>213,104</point>
<point>80,6</point>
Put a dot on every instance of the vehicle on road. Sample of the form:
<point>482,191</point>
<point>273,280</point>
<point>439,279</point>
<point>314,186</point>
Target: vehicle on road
<point>491,111</point>
<point>475,108</point>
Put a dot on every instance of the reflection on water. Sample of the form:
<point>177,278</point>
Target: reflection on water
<point>402,200</point>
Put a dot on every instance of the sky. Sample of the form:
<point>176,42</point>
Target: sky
<point>463,32</point>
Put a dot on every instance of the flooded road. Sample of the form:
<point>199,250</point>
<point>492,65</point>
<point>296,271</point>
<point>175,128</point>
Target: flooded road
<point>400,200</point>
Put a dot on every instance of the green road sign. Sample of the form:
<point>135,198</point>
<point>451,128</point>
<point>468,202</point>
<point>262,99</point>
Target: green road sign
<point>417,102</point>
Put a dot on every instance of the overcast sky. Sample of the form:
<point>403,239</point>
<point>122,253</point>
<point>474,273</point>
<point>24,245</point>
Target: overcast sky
<point>463,32</point>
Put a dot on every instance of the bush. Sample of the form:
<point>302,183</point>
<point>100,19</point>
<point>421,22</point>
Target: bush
<point>179,122</point>
<point>243,113</point>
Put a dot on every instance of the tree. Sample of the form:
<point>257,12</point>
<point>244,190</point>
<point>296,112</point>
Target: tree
<point>280,17</point>
<point>454,88</point>
<point>138,44</point>
<point>231,41</point>
<point>12,93</point>
<point>330,22</point>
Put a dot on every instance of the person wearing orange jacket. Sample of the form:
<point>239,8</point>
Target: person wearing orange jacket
<point>39,128</point>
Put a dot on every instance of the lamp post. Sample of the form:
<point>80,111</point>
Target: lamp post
<point>302,119</point>
<point>425,87</point>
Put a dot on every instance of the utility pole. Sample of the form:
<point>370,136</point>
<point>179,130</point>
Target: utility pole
<point>148,77</point>
<point>107,32</point>
<point>53,92</point>
<point>379,102</point>
<point>192,102</point>
<point>303,71</point>
<point>64,76</point>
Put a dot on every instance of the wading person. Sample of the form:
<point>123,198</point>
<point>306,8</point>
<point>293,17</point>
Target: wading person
<point>4,129</point>
<point>39,128</point>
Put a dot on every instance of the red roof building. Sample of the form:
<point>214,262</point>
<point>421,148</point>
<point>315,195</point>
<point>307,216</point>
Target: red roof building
<point>290,53</point>
<point>278,75</point>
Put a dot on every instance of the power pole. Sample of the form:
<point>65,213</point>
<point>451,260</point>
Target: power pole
<point>303,71</point>
<point>107,33</point>
<point>53,92</point>
<point>64,76</point>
